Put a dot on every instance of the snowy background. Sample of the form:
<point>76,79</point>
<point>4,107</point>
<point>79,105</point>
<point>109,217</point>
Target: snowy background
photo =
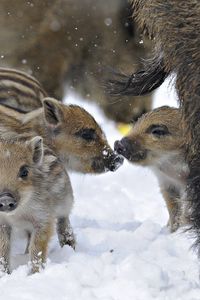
<point>124,250</point>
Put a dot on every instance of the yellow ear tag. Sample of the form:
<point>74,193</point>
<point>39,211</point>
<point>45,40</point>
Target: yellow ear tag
<point>124,128</point>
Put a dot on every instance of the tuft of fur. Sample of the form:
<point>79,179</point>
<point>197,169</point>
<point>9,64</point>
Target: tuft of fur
<point>140,83</point>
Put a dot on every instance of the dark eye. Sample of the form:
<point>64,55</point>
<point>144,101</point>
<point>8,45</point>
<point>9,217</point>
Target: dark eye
<point>87,134</point>
<point>158,130</point>
<point>23,172</point>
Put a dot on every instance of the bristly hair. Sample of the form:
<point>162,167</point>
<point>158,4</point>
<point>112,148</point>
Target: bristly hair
<point>139,83</point>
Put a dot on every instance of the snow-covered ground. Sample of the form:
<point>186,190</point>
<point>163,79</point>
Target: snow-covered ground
<point>124,250</point>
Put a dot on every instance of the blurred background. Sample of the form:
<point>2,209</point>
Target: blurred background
<point>69,45</point>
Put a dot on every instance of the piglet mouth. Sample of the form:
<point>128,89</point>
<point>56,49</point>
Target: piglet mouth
<point>98,165</point>
<point>138,156</point>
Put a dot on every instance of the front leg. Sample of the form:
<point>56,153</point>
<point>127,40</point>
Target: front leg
<point>65,232</point>
<point>28,234</point>
<point>172,200</point>
<point>5,233</point>
<point>39,246</point>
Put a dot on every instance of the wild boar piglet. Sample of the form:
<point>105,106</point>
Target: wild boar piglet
<point>69,130</point>
<point>34,191</point>
<point>157,141</point>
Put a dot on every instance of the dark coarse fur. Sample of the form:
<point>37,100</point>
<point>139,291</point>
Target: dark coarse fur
<point>175,26</point>
<point>140,83</point>
<point>72,41</point>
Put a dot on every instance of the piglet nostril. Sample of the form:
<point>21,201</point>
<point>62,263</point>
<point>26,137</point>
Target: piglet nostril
<point>119,147</point>
<point>119,160</point>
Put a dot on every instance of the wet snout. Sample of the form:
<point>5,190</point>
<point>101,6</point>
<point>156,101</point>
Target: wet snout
<point>109,161</point>
<point>123,147</point>
<point>131,150</point>
<point>113,161</point>
<point>7,202</point>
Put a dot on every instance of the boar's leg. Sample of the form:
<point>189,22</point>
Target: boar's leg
<point>39,245</point>
<point>5,233</point>
<point>65,232</point>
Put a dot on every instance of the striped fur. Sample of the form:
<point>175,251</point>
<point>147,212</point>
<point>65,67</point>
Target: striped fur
<point>20,91</point>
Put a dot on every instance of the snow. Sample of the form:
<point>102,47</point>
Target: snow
<point>124,250</point>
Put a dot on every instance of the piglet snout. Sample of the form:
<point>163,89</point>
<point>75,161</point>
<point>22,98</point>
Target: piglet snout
<point>7,202</point>
<point>114,161</point>
<point>119,147</point>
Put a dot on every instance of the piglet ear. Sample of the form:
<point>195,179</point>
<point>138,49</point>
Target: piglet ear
<point>36,145</point>
<point>52,111</point>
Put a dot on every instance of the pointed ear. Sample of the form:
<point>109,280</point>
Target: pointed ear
<point>52,111</point>
<point>36,146</point>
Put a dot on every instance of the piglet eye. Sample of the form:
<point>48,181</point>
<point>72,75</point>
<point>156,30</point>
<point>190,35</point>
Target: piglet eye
<point>158,130</point>
<point>87,134</point>
<point>23,172</point>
